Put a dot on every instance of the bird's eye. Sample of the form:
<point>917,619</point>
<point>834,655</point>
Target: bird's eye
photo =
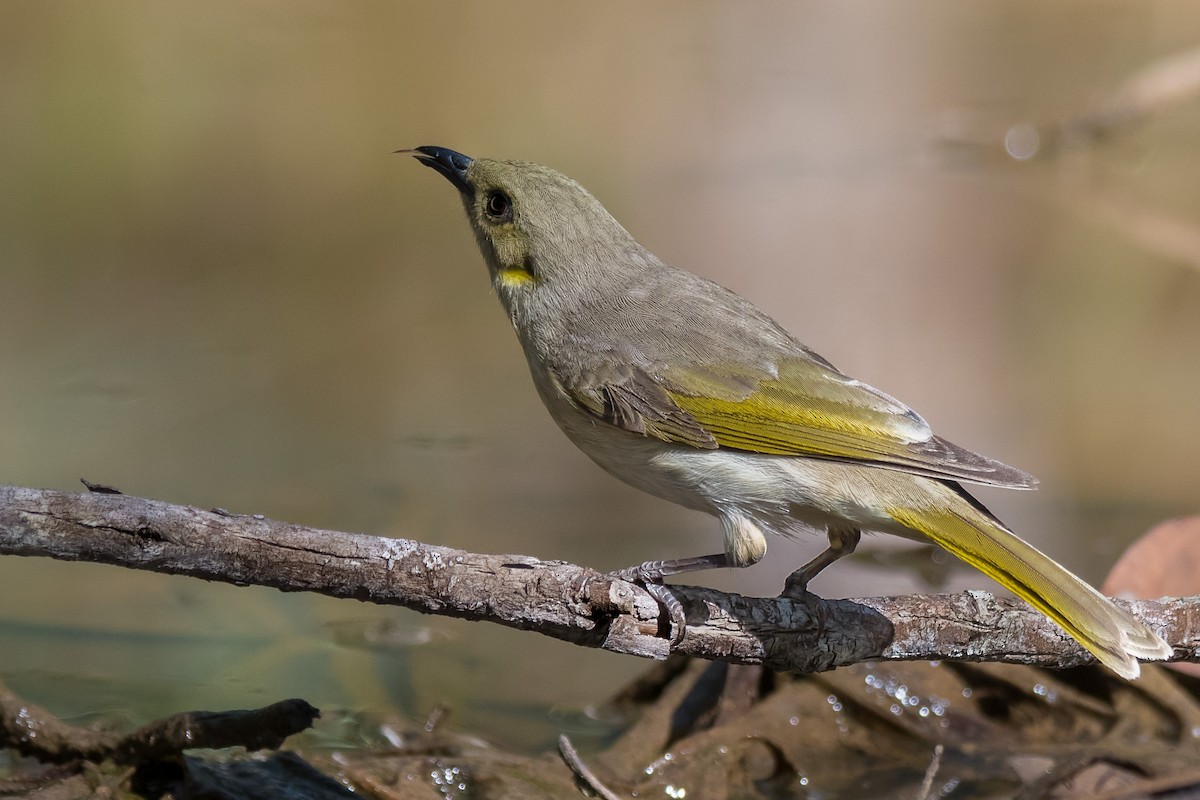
<point>498,206</point>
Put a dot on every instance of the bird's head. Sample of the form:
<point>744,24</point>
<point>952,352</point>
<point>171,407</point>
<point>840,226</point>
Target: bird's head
<point>541,233</point>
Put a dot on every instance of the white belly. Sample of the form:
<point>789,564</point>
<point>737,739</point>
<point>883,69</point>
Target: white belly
<point>779,493</point>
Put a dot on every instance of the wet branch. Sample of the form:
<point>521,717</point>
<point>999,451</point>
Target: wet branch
<point>33,731</point>
<point>554,598</point>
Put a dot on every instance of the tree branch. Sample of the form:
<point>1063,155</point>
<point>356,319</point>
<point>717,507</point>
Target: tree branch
<point>554,598</point>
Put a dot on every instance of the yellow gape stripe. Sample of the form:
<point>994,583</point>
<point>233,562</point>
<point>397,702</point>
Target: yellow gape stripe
<point>514,277</point>
<point>1089,617</point>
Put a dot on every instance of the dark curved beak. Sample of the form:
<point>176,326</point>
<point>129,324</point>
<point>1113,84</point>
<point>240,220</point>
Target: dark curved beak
<point>451,164</point>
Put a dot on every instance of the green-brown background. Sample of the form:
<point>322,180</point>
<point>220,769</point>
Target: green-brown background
<point>219,287</point>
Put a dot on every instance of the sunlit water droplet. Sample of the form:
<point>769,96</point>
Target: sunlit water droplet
<point>1022,142</point>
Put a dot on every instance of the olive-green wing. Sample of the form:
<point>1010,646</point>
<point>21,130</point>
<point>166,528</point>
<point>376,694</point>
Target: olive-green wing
<point>801,407</point>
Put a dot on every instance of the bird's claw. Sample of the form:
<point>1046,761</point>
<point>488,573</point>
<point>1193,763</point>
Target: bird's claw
<point>646,577</point>
<point>670,604</point>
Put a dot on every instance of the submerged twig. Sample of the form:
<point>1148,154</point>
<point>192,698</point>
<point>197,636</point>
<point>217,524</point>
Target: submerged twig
<point>33,731</point>
<point>581,770</point>
<point>935,764</point>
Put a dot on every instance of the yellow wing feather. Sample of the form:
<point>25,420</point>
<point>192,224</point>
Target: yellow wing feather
<point>810,409</point>
<point>802,407</point>
<point>805,408</point>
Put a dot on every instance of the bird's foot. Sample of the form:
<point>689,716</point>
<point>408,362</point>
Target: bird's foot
<point>796,585</point>
<point>650,576</point>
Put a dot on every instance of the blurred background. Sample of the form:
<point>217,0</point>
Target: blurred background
<point>219,287</point>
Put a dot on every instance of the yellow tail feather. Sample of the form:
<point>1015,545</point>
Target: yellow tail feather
<point>1112,634</point>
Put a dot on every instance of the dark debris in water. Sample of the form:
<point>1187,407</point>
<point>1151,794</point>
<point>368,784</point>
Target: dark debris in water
<point>696,730</point>
<point>871,731</point>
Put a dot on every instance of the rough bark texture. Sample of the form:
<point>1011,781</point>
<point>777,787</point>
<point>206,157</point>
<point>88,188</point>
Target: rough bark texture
<point>551,597</point>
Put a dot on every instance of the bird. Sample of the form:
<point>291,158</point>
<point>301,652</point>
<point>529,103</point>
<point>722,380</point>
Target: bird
<point>687,391</point>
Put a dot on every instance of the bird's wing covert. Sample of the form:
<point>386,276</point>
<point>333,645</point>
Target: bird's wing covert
<point>807,408</point>
<point>803,407</point>
<point>633,400</point>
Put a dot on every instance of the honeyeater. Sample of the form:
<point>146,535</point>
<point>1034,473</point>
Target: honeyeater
<point>686,390</point>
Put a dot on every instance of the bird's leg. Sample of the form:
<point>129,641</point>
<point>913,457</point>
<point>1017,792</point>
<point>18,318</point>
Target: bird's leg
<point>842,542</point>
<point>651,575</point>
<point>655,571</point>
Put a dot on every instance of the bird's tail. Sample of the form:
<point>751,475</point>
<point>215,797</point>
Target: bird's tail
<point>1112,634</point>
